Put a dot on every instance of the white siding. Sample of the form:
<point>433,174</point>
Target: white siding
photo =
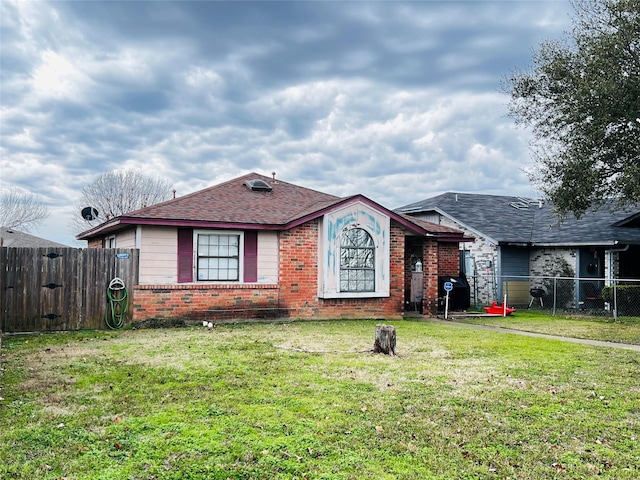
<point>126,239</point>
<point>158,255</point>
<point>433,217</point>
<point>267,257</point>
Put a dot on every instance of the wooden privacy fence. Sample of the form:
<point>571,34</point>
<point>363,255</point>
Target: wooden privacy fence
<point>56,289</point>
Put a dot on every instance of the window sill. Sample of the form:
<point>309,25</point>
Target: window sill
<point>329,295</point>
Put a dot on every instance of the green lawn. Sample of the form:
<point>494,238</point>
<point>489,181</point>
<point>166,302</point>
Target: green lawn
<point>307,400</point>
<point>593,328</point>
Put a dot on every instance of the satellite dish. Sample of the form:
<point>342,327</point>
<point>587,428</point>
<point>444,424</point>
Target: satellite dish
<point>89,213</point>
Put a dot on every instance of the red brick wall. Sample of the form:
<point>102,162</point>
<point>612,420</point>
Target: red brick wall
<point>299,279</point>
<point>437,259</point>
<point>448,259</point>
<point>205,301</point>
<point>397,269</point>
<point>430,267</point>
<point>298,272</point>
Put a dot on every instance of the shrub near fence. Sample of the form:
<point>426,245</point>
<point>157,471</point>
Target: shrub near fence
<point>626,297</point>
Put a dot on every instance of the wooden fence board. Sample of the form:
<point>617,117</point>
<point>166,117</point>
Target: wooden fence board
<point>56,289</point>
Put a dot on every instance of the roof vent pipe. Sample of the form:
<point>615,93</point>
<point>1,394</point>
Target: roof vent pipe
<point>456,197</point>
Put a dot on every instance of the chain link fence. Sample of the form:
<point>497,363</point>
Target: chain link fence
<point>600,297</point>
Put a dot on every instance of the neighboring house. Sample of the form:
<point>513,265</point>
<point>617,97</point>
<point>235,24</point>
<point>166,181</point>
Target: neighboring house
<point>520,237</point>
<point>256,245</point>
<point>14,238</point>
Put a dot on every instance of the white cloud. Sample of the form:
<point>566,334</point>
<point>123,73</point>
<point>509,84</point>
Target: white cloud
<point>22,140</point>
<point>394,100</point>
<point>203,78</point>
<point>58,78</point>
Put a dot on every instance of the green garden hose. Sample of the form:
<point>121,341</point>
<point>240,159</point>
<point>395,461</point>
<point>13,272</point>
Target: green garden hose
<point>118,303</point>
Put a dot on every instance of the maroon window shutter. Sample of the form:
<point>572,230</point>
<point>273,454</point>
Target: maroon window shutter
<point>250,256</point>
<point>185,255</point>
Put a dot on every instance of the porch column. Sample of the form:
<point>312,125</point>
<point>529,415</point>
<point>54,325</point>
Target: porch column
<point>430,278</point>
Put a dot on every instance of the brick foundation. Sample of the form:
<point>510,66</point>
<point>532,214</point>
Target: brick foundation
<point>206,302</point>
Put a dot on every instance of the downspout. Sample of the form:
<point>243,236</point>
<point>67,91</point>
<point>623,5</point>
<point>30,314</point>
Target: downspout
<point>610,278</point>
<point>610,260</point>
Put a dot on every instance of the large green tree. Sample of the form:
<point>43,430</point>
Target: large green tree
<point>581,100</point>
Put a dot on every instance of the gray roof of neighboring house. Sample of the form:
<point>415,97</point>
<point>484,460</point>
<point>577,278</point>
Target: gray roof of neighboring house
<point>507,219</point>
<point>14,238</point>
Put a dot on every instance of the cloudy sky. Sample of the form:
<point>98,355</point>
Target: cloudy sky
<point>398,101</point>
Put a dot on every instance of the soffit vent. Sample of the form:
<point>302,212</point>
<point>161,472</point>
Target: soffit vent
<point>525,203</point>
<point>258,185</point>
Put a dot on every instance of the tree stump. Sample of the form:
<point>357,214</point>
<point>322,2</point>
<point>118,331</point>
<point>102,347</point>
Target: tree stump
<point>385,340</point>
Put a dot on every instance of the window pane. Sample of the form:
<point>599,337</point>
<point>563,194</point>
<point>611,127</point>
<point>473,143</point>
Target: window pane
<point>357,261</point>
<point>218,257</point>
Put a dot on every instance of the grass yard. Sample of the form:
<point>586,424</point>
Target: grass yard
<point>592,328</point>
<point>305,400</point>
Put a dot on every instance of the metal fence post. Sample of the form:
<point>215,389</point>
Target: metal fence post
<point>555,294</point>
<point>615,301</point>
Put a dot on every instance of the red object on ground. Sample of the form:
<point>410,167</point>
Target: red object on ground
<point>496,309</point>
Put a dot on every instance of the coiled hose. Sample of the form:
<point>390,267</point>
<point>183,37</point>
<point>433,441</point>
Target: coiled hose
<point>118,303</point>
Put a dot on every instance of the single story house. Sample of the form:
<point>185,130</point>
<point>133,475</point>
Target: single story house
<point>519,237</point>
<point>257,246</point>
<point>10,237</point>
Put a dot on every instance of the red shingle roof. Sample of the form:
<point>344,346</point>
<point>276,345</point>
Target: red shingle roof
<point>234,203</point>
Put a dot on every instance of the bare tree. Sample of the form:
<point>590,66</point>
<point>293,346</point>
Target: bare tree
<point>118,192</point>
<point>21,210</point>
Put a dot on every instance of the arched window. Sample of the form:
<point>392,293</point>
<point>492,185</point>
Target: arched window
<point>357,261</point>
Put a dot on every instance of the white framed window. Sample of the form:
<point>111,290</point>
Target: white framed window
<point>353,253</point>
<point>218,256</point>
<point>357,261</point>
<point>110,241</point>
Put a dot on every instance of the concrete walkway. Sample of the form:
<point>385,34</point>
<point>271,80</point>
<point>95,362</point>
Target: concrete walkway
<point>584,341</point>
